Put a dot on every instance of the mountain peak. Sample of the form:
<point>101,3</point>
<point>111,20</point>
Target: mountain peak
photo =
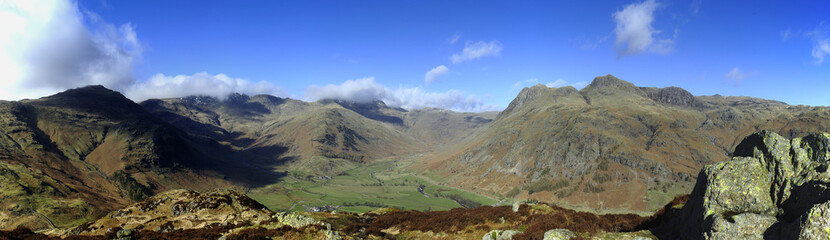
<point>93,98</point>
<point>610,81</point>
<point>88,91</point>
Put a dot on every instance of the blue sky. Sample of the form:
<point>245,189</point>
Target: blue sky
<point>358,50</point>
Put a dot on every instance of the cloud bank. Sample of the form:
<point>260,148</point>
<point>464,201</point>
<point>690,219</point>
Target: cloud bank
<point>474,50</point>
<point>49,46</point>
<point>434,73</point>
<point>635,33</point>
<point>555,84</point>
<point>219,86</point>
<point>366,90</point>
<point>561,83</point>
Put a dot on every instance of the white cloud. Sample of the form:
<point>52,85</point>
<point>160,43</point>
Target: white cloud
<point>434,73</point>
<point>555,84</point>
<point>821,43</point>
<point>561,83</point>
<point>635,33</point>
<point>454,38</point>
<point>695,6</point>
<point>821,48</point>
<point>362,90</point>
<point>526,83</point>
<point>219,86</point>
<point>49,46</point>
<point>474,50</point>
<point>366,90</point>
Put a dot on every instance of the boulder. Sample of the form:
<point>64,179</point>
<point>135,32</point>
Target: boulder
<point>740,185</point>
<point>295,220</point>
<point>559,234</point>
<point>773,188</point>
<point>124,234</point>
<point>741,226</point>
<point>500,235</point>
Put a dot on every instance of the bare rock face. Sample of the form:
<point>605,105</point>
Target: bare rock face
<point>774,188</point>
<point>181,209</point>
<point>673,96</point>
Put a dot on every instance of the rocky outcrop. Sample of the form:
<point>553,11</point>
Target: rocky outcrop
<point>526,95</point>
<point>181,209</point>
<point>773,188</point>
<point>672,95</point>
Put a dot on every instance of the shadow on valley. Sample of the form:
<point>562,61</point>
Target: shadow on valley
<point>240,105</point>
<point>251,167</point>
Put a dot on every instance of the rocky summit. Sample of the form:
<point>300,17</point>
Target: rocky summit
<point>773,188</point>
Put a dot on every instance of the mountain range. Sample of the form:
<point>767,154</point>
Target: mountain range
<point>72,157</point>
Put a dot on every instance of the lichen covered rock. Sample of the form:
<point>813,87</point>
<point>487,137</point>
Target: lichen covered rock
<point>559,234</point>
<point>295,220</point>
<point>773,188</point>
<point>500,235</point>
<point>816,224</point>
<point>740,185</point>
<point>741,226</point>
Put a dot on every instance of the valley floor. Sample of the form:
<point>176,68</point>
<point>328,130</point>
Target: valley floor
<point>384,183</point>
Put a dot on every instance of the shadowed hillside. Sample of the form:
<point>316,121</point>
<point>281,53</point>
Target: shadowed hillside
<point>321,138</point>
<point>71,157</point>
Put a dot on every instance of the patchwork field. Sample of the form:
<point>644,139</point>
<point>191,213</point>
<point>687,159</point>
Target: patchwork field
<point>382,184</point>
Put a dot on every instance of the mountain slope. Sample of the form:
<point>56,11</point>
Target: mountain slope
<point>75,155</point>
<point>612,144</point>
<point>322,138</point>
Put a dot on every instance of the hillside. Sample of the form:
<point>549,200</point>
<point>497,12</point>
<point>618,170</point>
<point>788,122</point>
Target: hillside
<point>612,144</point>
<point>70,157</point>
<point>320,138</point>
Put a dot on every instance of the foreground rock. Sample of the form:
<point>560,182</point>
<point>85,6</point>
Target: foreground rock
<point>559,234</point>
<point>500,235</point>
<point>773,188</point>
<point>181,209</point>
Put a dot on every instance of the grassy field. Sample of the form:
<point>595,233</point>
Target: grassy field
<point>381,184</point>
